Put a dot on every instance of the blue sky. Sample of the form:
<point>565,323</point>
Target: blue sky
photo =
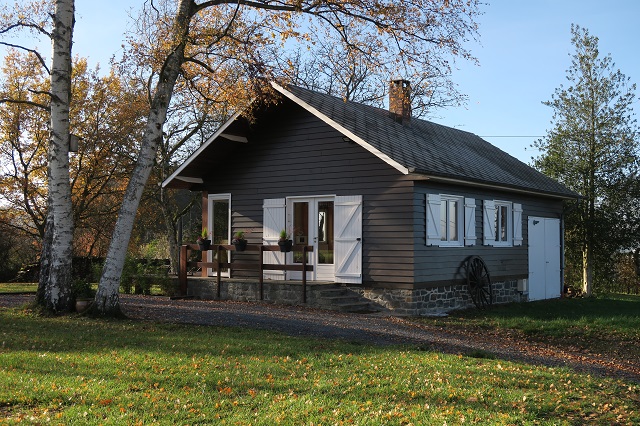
<point>524,52</point>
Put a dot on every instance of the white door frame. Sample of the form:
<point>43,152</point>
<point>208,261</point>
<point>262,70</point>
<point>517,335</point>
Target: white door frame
<point>210,199</point>
<point>321,272</point>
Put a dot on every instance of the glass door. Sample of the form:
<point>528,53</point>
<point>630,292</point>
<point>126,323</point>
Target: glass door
<point>312,222</point>
<point>219,228</point>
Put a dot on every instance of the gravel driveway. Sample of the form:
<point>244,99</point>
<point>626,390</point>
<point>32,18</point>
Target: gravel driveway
<point>375,329</point>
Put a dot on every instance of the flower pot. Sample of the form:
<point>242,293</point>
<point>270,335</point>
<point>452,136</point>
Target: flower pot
<point>82,304</point>
<point>204,244</point>
<point>241,245</point>
<point>285,245</point>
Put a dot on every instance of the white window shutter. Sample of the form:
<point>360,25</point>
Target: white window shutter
<point>274,210</point>
<point>469,221</point>
<point>433,236</point>
<point>517,224</point>
<point>489,223</point>
<point>348,239</point>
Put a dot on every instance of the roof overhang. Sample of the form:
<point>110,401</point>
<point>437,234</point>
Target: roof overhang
<point>178,176</point>
<point>486,185</point>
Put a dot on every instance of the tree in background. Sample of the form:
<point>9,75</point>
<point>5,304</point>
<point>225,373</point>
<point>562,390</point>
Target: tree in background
<point>106,113</point>
<point>224,49</point>
<point>23,144</point>
<point>593,149</point>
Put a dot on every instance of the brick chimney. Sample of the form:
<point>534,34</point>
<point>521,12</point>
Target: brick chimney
<point>400,100</point>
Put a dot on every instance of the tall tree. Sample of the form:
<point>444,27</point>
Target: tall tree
<point>57,248</point>
<point>219,48</point>
<point>593,149</point>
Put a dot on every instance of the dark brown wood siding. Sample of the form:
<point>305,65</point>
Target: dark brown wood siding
<point>443,264</point>
<point>292,153</point>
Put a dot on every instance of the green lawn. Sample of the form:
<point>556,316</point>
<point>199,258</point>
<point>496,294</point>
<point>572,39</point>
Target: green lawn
<point>18,287</point>
<point>75,370</point>
<point>602,324</point>
<point>33,287</point>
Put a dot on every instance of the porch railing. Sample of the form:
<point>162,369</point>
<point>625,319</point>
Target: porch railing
<point>259,266</point>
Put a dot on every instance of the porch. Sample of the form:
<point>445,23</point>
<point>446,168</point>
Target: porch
<point>321,294</point>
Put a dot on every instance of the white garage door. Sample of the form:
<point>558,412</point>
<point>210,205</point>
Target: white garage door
<point>544,258</point>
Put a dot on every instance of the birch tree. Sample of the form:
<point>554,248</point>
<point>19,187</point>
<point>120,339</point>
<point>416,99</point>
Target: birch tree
<point>54,291</point>
<point>593,149</point>
<point>57,253</point>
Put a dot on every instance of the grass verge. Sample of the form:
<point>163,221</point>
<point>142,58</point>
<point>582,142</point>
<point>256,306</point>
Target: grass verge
<point>598,324</point>
<point>70,370</point>
<point>18,287</point>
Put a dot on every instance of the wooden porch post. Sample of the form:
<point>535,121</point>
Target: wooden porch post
<point>182,270</point>
<point>260,271</point>
<point>304,274</point>
<point>218,272</point>
<point>205,222</point>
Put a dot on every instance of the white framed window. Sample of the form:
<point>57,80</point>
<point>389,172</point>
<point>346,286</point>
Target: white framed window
<point>450,220</point>
<point>502,223</point>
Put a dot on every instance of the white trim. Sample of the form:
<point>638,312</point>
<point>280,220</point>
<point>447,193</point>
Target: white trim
<point>469,221</point>
<point>343,130</point>
<point>275,210</point>
<point>234,138</point>
<point>210,219</point>
<point>432,228</point>
<point>517,224</point>
<point>202,148</point>
<point>189,179</point>
<point>293,197</point>
<point>348,239</point>
<point>488,222</point>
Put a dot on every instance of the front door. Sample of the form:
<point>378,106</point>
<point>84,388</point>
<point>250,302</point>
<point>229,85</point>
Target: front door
<point>311,221</point>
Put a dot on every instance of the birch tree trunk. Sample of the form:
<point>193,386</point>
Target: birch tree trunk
<point>58,245</point>
<point>107,301</point>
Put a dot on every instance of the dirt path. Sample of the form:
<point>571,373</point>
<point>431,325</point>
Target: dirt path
<point>372,329</point>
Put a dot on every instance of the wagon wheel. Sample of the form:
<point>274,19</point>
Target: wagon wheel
<point>479,282</point>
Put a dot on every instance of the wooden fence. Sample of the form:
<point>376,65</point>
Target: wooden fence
<point>259,266</point>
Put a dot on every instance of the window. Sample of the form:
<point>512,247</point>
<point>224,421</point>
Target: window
<point>502,223</point>
<point>450,220</point>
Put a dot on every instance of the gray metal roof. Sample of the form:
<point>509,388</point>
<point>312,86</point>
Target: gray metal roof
<point>428,148</point>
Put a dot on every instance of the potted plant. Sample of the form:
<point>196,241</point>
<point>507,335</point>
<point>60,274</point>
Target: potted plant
<point>285,242</point>
<point>239,241</point>
<point>83,294</point>
<point>203,241</point>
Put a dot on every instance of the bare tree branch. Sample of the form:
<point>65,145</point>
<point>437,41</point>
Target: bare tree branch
<point>32,51</point>
<point>34,104</point>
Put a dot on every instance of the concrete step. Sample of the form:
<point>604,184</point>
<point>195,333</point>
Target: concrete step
<point>342,299</point>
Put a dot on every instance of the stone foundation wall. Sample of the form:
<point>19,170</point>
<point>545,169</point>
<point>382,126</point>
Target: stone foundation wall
<point>438,299</point>
<point>249,291</point>
<point>428,301</point>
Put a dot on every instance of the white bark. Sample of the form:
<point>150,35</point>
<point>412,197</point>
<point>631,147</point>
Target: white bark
<point>57,289</point>
<point>107,299</point>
